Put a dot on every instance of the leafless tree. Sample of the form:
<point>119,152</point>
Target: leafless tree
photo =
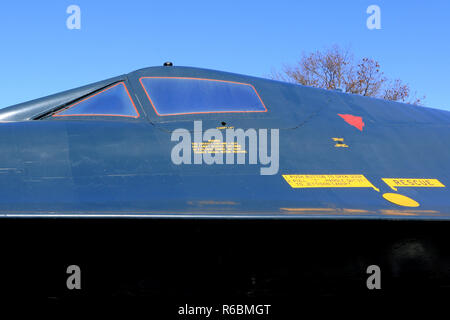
<point>335,68</point>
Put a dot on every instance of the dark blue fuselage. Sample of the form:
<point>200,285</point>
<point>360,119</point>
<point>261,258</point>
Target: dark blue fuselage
<point>122,167</point>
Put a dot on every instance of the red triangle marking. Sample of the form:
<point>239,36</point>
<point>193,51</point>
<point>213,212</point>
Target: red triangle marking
<point>352,120</point>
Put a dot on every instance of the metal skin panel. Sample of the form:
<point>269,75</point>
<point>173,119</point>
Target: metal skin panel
<point>121,167</point>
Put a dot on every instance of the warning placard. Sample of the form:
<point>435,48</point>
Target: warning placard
<point>328,181</point>
<point>217,146</point>
<point>405,182</point>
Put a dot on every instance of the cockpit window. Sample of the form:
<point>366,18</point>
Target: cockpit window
<point>112,101</point>
<point>177,96</point>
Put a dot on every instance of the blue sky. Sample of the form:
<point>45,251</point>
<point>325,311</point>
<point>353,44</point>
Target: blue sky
<point>40,56</point>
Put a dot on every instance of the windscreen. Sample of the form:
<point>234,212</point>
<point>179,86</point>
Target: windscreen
<point>176,96</point>
<point>112,101</point>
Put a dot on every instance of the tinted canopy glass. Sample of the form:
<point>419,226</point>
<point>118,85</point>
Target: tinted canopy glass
<point>175,96</point>
<point>112,101</point>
